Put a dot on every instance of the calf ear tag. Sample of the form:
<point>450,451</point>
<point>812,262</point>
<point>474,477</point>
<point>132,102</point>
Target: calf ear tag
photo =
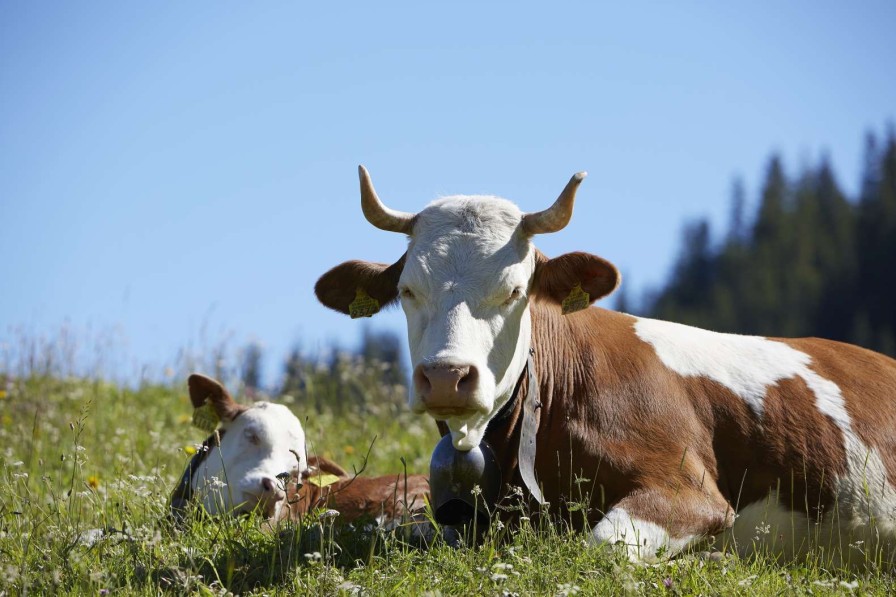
<point>206,418</point>
<point>577,300</point>
<point>323,479</point>
<point>364,305</point>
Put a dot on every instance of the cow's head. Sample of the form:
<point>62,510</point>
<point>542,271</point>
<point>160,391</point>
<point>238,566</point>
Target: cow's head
<point>261,446</point>
<point>465,284</point>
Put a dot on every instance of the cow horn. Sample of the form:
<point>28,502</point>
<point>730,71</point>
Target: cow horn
<point>378,214</point>
<point>557,216</point>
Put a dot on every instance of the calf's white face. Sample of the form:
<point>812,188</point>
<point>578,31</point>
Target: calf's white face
<point>260,446</point>
<point>465,284</point>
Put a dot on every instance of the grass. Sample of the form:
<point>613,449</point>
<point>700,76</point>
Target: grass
<point>80,455</point>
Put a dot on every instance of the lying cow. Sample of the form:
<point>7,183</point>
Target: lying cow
<point>676,431</point>
<point>256,460</point>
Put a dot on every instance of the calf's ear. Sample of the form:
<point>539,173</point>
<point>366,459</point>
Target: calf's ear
<point>205,390</point>
<point>574,280</point>
<point>325,465</point>
<point>359,288</point>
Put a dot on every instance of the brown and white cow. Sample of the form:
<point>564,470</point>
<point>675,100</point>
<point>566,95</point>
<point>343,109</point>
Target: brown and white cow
<point>683,433</point>
<point>256,459</point>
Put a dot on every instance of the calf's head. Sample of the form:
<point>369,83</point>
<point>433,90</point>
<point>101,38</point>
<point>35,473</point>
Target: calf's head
<point>260,447</point>
<point>465,284</point>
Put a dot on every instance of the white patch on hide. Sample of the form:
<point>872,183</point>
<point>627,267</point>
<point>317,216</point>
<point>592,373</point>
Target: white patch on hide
<point>767,527</point>
<point>643,541</point>
<point>865,493</point>
<point>845,538</point>
<point>748,366</point>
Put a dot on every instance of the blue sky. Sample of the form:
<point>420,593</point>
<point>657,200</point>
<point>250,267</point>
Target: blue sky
<point>180,171</point>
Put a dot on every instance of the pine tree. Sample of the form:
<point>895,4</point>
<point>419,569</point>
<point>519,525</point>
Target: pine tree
<point>687,298</point>
<point>771,249</point>
<point>835,258</point>
<point>294,373</point>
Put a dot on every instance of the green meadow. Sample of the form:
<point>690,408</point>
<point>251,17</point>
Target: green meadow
<point>87,467</point>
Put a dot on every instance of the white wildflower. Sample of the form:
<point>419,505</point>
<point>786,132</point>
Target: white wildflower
<point>11,573</point>
<point>747,581</point>
<point>762,529</point>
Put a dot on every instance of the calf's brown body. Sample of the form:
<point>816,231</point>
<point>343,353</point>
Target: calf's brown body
<point>385,499</point>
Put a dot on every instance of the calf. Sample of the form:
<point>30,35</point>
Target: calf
<point>256,460</point>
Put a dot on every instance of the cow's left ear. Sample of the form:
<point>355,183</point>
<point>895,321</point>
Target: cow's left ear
<point>205,390</point>
<point>574,280</point>
<point>359,288</point>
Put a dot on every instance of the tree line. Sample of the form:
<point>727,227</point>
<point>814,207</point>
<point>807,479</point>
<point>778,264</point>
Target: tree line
<point>811,261</point>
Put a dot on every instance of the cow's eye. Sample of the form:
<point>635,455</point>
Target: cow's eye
<point>406,292</point>
<point>252,437</point>
<point>514,295</point>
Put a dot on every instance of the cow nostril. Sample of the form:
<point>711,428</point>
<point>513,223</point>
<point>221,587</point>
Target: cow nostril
<point>268,485</point>
<point>469,381</point>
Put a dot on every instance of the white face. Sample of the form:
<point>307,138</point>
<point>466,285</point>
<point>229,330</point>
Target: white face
<point>255,450</point>
<point>464,290</point>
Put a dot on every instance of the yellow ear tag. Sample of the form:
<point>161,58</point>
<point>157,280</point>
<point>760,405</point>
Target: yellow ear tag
<point>205,418</point>
<point>577,300</point>
<point>323,479</point>
<point>364,305</point>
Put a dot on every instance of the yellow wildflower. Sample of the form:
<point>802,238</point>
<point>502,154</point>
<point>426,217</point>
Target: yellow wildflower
<point>349,450</point>
<point>93,481</point>
<point>184,419</point>
<point>190,450</point>
<point>3,394</point>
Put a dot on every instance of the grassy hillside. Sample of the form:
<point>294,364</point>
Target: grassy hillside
<point>83,455</point>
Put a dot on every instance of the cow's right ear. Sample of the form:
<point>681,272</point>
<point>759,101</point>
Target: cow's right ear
<point>205,390</point>
<point>359,288</point>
